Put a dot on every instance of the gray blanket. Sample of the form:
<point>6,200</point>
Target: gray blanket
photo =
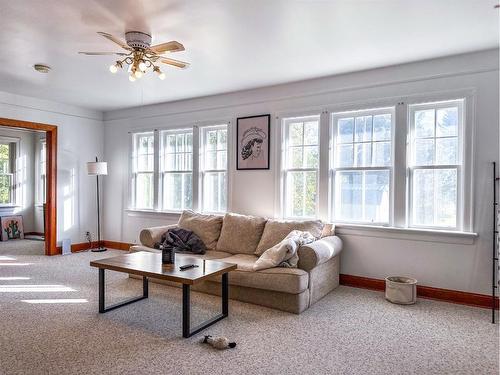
<point>181,241</point>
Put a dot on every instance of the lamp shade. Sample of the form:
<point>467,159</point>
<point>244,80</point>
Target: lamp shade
<point>97,168</point>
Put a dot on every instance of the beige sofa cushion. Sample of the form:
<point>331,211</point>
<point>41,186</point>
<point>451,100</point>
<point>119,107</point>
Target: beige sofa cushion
<point>279,279</point>
<point>209,255</point>
<point>207,227</point>
<point>275,231</point>
<point>240,233</point>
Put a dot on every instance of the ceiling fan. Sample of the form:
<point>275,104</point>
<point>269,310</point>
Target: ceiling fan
<point>141,55</point>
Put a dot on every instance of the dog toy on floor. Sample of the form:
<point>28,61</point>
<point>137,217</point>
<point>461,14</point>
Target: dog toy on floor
<point>219,342</point>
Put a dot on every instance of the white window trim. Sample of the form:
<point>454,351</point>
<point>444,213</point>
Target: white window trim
<point>14,194</point>
<point>132,175</point>
<point>161,173</point>
<point>465,223</point>
<point>198,125</point>
<point>284,130</point>
<point>333,169</point>
<point>201,162</point>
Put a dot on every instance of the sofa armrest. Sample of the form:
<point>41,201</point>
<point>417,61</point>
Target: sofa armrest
<point>318,252</point>
<point>150,236</point>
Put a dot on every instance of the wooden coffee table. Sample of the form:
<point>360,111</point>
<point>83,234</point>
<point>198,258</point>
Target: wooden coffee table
<point>147,264</point>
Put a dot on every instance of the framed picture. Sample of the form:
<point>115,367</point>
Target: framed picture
<point>253,142</point>
<point>12,227</point>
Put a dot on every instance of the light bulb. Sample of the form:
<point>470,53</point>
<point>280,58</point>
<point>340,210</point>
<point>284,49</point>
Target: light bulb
<point>131,78</point>
<point>161,76</point>
<point>138,74</point>
<point>142,66</point>
<point>113,69</point>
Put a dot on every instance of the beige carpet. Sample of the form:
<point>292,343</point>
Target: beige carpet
<point>22,247</point>
<point>350,331</point>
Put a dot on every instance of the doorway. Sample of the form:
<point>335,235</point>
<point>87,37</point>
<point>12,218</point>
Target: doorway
<point>48,180</point>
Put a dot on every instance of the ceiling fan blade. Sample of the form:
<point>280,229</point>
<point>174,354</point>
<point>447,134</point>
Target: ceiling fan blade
<point>177,63</point>
<point>115,40</point>
<point>103,53</point>
<point>172,46</point>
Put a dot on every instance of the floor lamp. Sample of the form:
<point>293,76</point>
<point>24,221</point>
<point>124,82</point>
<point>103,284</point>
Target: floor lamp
<point>98,168</point>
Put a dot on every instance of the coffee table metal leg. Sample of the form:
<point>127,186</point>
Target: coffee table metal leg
<point>186,309</point>
<point>102,294</point>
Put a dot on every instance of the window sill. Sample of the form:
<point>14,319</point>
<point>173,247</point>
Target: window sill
<point>412,234</point>
<point>8,206</point>
<point>152,213</point>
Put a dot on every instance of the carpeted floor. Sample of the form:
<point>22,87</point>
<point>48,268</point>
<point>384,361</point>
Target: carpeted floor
<point>22,247</point>
<point>350,331</point>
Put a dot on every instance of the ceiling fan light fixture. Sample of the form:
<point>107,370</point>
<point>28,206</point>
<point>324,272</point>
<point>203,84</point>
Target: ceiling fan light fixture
<point>142,66</point>
<point>113,69</point>
<point>131,78</point>
<point>138,74</point>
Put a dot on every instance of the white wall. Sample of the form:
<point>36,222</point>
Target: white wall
<point>80,134</point>
<point>25,174</point>
<point>459,263</point>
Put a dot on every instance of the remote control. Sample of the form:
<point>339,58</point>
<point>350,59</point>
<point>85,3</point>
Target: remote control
<point>188,266</point>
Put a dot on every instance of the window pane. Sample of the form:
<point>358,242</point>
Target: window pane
<point>144,190</point>
<point>5,188</point>
<point>296,133</point>
<point>295,157</point>
<point>424,152</point>
<point>177,191</point>
<point>362,154</point>
<point>189,142</point>
<point>211,142</point>
<point>345,130</point>
<point>381,154</point>
<point>311,133</point>
<point>211,160</point>
<point>377,198</point>
<point>446,150</point>
<point>345,157</point>
<point>311,157</point>
<point>221,159</point>
<point>301,190</point>
<point>363,129</point>
<point>363,196</point>
<point>382,127</point>
<point>424,123</point>
<point>435,197</point>
<point>447,122</point>
<point>214,192</point>
<point>171,143</point>
<point>222,139</point>
<point>349,196</point>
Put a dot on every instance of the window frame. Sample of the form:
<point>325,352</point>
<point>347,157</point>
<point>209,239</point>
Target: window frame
<point>461,103</point>
<point>13,156</point>
<point>202,172</point>
<point>332,169</point>
<point>285,132</point>
<point>133,173</point>
<point>162,173</point>
<point>196,127</point>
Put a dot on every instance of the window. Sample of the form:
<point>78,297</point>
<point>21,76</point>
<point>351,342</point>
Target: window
<point>7,156</point>
<point>435,163</point>
<point>176,169</point>
<point>213,168</point>
<point>362,165</point>
<point>301,166</point>
<point>42,187</point>
<point>179,169</point>
<point>142,193</point>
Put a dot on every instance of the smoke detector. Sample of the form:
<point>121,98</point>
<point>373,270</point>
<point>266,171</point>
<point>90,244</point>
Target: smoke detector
<point>41,68</point>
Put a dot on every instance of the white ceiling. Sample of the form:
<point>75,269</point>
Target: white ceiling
<point>231,44</point>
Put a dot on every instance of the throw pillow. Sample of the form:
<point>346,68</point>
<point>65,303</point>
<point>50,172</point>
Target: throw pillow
<point>240,233</point>
<point>207,227</point>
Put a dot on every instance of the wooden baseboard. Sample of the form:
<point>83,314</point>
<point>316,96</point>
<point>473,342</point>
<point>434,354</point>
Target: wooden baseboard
<point>34,234</point>
<point>83,246</point>
<point>447,295</point>
<point>117,245</point>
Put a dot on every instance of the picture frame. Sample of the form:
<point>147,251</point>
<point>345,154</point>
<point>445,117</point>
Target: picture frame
<point>12,227</point>
<point>253,142</point>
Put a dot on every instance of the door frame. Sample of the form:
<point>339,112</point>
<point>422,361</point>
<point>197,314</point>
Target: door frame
<point>51,172</point>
